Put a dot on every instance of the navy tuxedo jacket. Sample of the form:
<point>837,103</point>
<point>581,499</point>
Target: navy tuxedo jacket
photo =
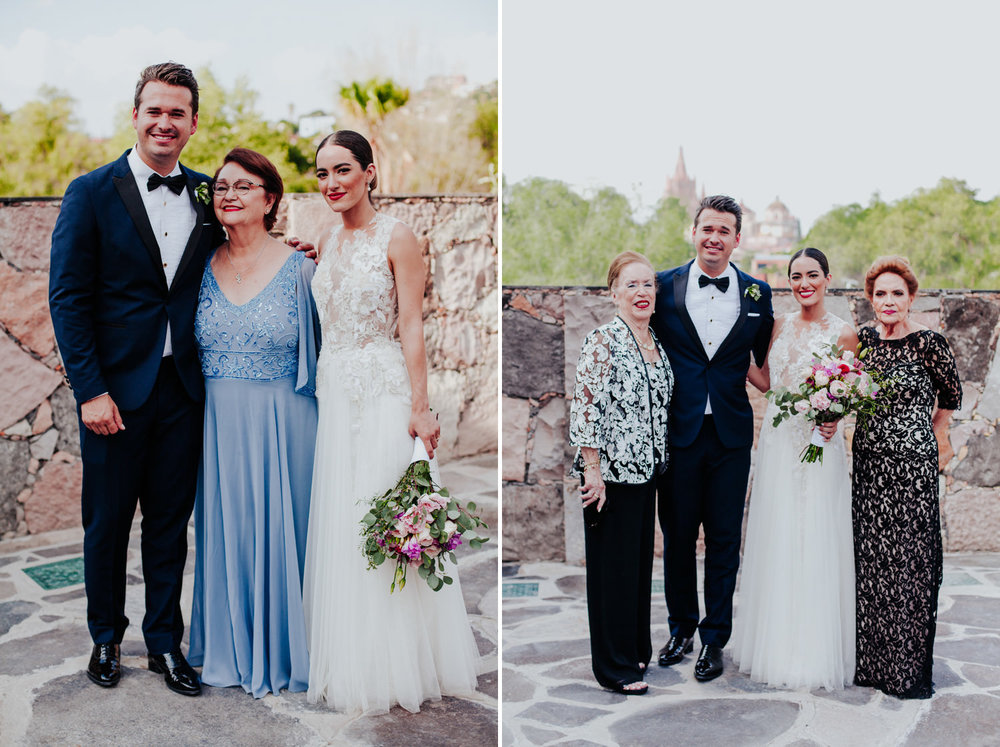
<point>723,378</point>
<point>108,295</point>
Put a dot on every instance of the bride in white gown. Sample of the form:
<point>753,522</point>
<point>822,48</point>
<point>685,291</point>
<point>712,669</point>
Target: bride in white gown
<point>794,626</point>
<point>369,649</point>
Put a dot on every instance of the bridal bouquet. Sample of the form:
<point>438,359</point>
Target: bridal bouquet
<point>834,385</point>
<point>416,524</point>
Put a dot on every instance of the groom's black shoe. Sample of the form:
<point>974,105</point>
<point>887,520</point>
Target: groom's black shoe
<point>177,673</point>
<point>674,651</point>
<point>709,664</point>
<point>105,667</point>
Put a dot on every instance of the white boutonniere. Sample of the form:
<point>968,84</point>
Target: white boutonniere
<point>202,193</point>
<point>753,291</point>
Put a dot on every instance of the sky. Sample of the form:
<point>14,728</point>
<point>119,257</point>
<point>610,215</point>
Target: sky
<point>295,53</point>
<point>820,104</point>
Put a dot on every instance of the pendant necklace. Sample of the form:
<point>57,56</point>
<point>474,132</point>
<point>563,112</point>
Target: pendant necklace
<point>239,275</point>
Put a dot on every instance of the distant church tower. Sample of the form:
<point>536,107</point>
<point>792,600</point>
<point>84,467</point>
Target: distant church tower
<point>683,187</point>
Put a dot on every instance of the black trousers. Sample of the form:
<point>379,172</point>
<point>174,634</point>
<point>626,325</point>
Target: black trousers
<point>154,462</point>
<point>706,484</point>
<point>619,553</point>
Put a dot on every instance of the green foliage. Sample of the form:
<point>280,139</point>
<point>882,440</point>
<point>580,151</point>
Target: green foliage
<point>951,239</point>
<point>553,236</point>
<point>42,148</point>
<point>374,98</point>
<point>485,127</point>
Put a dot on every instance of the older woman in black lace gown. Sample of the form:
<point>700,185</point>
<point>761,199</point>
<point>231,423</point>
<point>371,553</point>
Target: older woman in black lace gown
<point>897,454</point>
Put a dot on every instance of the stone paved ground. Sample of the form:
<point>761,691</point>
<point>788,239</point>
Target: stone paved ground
<point>550,696</point>
<point>46,699</point>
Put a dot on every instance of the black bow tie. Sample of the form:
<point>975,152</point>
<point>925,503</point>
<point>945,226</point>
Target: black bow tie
<point>721,283</point>
<point>174,183</point>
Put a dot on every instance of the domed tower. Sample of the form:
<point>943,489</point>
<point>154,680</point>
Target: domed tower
<point>769,243</point>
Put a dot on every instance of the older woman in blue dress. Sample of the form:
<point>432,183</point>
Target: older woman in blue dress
<point>618,422</point>
<point>257,334</point>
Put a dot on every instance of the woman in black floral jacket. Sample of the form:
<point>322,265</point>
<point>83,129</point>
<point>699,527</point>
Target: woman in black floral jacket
<point>618,421</point>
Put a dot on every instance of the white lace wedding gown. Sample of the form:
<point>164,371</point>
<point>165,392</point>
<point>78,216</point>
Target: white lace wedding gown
<point>369,649</point>
<point>794,624</point>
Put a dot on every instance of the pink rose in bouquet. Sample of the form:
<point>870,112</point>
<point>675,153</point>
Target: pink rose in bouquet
<point>834,385</point>
<point>417,525</point>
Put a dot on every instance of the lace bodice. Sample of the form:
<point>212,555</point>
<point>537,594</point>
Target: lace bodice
<point>355,294</point>
<point>921,368</point>
<point>257,340</point>
<point>791,354</point>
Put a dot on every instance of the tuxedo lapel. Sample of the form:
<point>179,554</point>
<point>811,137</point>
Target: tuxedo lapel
<point>680,301</point>
<point>199,221</point>
<point>127,189</point>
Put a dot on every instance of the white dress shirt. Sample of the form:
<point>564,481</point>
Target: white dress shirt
<point>171,216</point>
<point>713,312</point>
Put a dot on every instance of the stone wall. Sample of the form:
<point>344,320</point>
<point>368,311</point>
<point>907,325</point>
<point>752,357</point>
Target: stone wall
<point>544,327</point>
<point>40,467</point>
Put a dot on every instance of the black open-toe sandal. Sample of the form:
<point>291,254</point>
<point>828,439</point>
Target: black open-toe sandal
<point>631,688</point>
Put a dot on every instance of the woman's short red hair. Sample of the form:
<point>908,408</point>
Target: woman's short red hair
<point>895,264</point>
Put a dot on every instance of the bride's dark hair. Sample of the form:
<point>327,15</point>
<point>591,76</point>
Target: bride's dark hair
<point>355,142</point>
<point>813,253</point>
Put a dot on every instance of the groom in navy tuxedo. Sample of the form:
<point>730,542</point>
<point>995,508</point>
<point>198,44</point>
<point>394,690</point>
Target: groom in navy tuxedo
<point>128,251</point>
<point>710,317</point>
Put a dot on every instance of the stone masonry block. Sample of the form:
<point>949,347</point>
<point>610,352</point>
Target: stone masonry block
<point>55,498</point>
<point>24,308</point>
<point>515,438</point>
<point>981,466</point>
<point>548,460</point>
<point>971,520</point>
<point>26,382</point>
<point>26,233</point>
<point>533,523</point>
<point>14,460</point>
<point>969,322</point>
<point>532,356</point>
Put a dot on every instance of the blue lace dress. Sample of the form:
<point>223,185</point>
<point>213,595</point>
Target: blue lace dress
<point>252,504</point>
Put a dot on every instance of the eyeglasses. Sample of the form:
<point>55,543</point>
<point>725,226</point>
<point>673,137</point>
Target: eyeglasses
<point>241,187</point>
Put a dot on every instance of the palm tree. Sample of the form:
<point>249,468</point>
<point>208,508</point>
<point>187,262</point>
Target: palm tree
<point>370,101</point>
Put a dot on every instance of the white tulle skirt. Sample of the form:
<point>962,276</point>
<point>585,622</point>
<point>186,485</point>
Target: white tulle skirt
<point>369,649</point>
<point>794,624</point>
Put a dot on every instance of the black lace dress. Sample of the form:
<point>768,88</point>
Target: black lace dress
<point>897,527</point>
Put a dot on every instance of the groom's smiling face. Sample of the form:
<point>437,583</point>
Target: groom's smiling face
<point>163,123</point>
<point>715,237</point>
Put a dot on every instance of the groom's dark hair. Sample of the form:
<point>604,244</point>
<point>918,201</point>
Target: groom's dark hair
<point>171,73</point>
<point>723,204</point>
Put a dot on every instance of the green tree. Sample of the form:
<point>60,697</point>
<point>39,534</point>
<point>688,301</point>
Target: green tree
<point>541,218</point>
<point>553,236</point>
<point>42,148</point>
<point>666,234</point>
<point>951,238</point>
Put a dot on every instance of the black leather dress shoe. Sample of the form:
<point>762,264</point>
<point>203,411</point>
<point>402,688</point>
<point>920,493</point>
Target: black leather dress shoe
<point>105,667</point>
<point>674,651</point>
<point>709,664</point>
<point>177,673</point>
